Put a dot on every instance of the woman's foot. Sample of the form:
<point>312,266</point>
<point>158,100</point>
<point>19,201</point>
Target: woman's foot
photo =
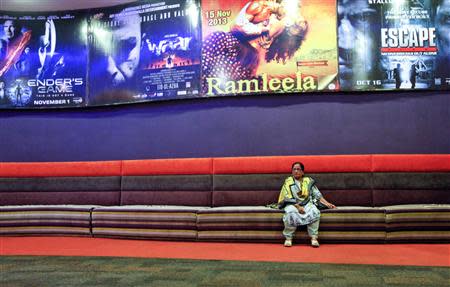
<point>314,242</point>
<point>288,243</point>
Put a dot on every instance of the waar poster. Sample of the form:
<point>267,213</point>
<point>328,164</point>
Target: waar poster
<point>392,45</point>
<point>43,60</point>
<point>286,46</point>
<point>146,51</point>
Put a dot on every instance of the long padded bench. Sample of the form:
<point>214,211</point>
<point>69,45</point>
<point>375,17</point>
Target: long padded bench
<point>380,198</point>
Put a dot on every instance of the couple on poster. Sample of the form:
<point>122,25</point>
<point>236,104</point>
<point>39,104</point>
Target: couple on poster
<point>257,46</point>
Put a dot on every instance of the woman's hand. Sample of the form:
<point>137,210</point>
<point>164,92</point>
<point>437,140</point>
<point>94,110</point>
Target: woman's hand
<point>327,204</point>
<point>300,208</point>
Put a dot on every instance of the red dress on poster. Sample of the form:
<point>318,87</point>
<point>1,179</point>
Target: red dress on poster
<point>261,31</point>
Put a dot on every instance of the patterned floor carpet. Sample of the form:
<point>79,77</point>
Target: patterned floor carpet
<point>114,271</point>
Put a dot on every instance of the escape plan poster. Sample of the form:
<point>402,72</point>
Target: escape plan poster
<point>42,60</point>
<point>286,46</point>
<point>388,45</point>
<point>145,52</point>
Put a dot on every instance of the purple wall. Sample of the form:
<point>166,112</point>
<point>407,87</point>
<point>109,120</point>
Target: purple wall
<point>233,126</point>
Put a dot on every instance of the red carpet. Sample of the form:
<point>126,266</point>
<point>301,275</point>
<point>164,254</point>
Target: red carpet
<point>386,254</point>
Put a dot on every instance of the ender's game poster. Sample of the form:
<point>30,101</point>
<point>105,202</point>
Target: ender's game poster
<point>145,52</point>
<point>390,45</point>
<point>43,59</point>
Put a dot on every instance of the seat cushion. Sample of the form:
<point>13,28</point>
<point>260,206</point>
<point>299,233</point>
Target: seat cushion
<point>353,224</point>
<point>240,223</point>
<point>418,222</point>
<point>45,220</point>
<point>146,221</point>
<point>259,223</point>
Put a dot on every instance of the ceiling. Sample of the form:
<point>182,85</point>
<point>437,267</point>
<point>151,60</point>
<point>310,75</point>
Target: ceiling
<point>56,5</point>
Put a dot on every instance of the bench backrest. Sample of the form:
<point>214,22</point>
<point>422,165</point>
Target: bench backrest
<point>362,180</point>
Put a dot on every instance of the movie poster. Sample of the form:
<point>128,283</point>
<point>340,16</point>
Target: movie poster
<point>145,52</point>
<point>42,60</point>
<point>286,46</point>
<point>442,20</point>
<point>389,45</point>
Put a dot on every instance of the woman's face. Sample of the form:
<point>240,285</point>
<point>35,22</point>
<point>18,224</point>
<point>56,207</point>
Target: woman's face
<point>297,171</point>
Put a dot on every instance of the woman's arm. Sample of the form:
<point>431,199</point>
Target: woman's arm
<point>318,195</point>
<point>326,203</point>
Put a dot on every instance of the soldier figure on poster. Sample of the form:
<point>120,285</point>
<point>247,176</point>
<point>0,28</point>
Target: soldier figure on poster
<point>387,45</point>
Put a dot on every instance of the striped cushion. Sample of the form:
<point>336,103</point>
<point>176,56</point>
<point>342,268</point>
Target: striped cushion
<point>243,223</point>
<point>352,224</point>
<point>241,235</point>
<point>415,222</point>
<point>140,221</point>
<point>418,213</point>
<point>419,236</point>
<point>239,217</point>
<point>265,224</point>
<point>45,219</point>
<point>300,236</point>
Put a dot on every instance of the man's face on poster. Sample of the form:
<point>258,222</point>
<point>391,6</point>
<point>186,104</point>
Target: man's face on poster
<point>443,28</point>
<point>357,50</point>
<point>123,60</point>
<point>9,29</point>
